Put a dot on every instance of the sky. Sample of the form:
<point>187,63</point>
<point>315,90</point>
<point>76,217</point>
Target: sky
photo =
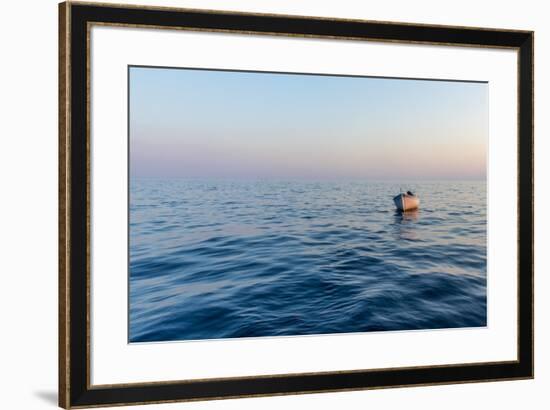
<point>224,124</point>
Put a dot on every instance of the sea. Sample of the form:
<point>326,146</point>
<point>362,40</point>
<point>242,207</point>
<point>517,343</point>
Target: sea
<point>215,259</point>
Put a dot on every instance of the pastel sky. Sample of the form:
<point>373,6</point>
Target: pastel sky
<point>223,124</point>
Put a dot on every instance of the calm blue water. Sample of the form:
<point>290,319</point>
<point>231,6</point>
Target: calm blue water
<point>226,259</point>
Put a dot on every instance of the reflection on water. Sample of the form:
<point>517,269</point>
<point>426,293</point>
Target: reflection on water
<point>405,224</point>
<point>408,216</point>
<point>223,259</point>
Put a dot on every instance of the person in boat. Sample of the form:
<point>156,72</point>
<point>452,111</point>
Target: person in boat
<point>410,193</point>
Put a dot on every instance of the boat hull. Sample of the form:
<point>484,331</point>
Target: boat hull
<point>404,202</point>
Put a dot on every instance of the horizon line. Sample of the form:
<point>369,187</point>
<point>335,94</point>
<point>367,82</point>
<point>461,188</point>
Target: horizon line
<point>358,179</point>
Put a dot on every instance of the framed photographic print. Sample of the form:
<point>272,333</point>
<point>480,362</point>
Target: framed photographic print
<point>256,204</point>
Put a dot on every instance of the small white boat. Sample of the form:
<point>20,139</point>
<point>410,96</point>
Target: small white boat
<point>406,202</point>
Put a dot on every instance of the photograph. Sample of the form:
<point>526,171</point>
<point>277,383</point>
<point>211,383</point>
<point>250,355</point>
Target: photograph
<point>270,204</point>
<point>253,203</point>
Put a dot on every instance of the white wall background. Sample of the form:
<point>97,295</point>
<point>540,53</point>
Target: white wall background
<point>28,202</point>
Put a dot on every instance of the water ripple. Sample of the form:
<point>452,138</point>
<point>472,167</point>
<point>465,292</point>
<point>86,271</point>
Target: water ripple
<point>247,259</point>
